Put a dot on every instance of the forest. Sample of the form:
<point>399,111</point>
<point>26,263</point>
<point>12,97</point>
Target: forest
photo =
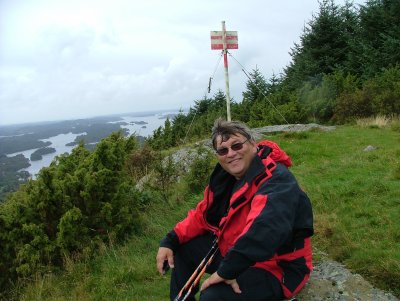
<point>345,67</point>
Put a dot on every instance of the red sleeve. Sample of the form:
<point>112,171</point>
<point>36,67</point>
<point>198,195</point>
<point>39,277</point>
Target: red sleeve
<point>194,224</point>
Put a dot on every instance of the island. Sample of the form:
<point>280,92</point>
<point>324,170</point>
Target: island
<point>38,154</point>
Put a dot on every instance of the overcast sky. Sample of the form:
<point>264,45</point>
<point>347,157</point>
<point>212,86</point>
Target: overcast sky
<point>72,59</point>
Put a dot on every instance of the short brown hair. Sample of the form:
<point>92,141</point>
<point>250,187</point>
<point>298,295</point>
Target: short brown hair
<point>226,129</point>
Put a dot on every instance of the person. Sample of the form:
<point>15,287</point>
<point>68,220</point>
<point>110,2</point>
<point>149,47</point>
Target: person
<point>262,219</point>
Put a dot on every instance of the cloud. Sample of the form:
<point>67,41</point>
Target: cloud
<point>72,59</point>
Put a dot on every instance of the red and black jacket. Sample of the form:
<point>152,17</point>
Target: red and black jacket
<point>263,220</point>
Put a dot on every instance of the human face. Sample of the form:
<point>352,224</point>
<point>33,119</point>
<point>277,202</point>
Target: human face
<point>236,162</point>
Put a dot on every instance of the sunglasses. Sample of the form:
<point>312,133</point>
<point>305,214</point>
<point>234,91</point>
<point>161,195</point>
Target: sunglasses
<point>235,147</point>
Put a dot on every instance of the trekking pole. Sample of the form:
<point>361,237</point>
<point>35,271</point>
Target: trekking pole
<point>195,277</point>
<point>196,281</point>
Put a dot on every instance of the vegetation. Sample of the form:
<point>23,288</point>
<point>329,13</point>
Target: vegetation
<point>10,176</point>
<point>74,205</point>
<point>345,69</point>
<point>355,196</point>
<point>355,200</point>
<point>17,138</point>
<point>38,154</point>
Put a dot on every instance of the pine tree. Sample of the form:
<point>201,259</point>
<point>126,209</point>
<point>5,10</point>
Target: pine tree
<point>324,44</point>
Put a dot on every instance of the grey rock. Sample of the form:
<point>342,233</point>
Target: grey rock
<point>291,128</point>
<point>369,148</point>
<point>331,281</point>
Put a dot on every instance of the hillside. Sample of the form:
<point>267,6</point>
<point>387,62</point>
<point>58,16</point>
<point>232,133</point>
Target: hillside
<point>355,203</point>
<point>88,227</point>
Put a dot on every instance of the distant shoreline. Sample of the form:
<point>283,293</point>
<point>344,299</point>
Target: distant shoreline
<point>97,117</point>
<point>40,142</point>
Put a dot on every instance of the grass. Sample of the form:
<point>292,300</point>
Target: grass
<point>124,272</point>
<point>380,121</point>
<point>356,197</point>
<point>356,201</point>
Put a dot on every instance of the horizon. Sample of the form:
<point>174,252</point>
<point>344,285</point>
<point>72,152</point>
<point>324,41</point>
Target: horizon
<point>132,114</point>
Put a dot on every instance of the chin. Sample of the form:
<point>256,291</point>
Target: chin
<point>236,174</point>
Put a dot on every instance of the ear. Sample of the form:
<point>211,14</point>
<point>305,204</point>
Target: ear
<point>254,147</point>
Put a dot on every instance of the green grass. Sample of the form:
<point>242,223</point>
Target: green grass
<point>124,272</point>
<point>355,196</point>
<point>356,201</point>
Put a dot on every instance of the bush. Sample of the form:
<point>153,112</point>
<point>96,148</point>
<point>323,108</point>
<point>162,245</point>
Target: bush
<point>200,170</point>
<point>165,175</point>
<point>351,106</point>
<point>385,92</point>
<point>319,101</point>
<point>378,96</point>
<point>78,203</point>
<point>140,162</point>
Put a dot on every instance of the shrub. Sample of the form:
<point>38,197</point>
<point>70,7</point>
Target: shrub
<point>351,106</point>
<point>319,101</point>
<point>80,201</point>
<point>200,170</point>
<point>139,162</point>
<point>165,175</point>
<point>378,96</point>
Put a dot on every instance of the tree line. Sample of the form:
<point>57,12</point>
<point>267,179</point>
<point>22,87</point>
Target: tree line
<point>345,66</point>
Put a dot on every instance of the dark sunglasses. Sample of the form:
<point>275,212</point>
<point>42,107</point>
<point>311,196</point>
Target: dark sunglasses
<point>235,147</point>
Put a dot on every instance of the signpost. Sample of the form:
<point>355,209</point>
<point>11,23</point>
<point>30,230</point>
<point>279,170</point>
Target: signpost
<point>225,40</point>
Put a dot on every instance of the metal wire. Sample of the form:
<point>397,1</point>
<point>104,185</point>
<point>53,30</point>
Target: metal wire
<point>208,88</point>
<point>248,76</point>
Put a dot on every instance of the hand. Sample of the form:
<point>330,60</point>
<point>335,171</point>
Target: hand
<point>164,254</point>
<point>215,278</point>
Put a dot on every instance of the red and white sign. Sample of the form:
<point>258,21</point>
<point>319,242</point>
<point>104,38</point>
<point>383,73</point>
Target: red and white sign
<point>217,40</point>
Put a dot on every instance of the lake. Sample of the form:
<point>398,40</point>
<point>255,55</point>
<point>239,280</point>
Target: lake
<point>134,123</point>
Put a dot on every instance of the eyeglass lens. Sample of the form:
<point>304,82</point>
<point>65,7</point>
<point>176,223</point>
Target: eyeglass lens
<point>235,147</point>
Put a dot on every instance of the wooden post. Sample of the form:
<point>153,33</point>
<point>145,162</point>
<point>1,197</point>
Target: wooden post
<point>228,97</point>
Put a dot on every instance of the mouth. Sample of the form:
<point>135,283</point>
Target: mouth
<point>234,161</point>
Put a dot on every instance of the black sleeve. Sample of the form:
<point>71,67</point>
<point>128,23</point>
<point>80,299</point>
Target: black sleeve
<point>170,241</point>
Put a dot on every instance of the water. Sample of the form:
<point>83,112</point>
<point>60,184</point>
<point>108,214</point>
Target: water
<point>142,126</point>
<point>57,142</point>
<point>138,125</point>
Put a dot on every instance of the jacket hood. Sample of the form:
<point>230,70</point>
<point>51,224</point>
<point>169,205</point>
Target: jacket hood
<point>272,149</point>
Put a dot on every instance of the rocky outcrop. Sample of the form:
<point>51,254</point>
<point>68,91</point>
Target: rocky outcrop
<point>291,128</point>
<point>331,281</point>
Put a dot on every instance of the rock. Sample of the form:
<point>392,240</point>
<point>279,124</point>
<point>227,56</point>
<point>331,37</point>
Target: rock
<point>331,281</point>
<point>369,148</point>
<point>291,128</point>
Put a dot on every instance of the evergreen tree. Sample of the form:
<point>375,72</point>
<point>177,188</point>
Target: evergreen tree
<point>219,101</point>
<point>379,36</point>
<point>256,87</point>
<point>180,123</point>
<point>168,134</point>
<point>324,45</point>
<point>256,90</point>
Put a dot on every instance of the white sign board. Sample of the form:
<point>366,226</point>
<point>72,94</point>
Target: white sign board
<point>217,40</point>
